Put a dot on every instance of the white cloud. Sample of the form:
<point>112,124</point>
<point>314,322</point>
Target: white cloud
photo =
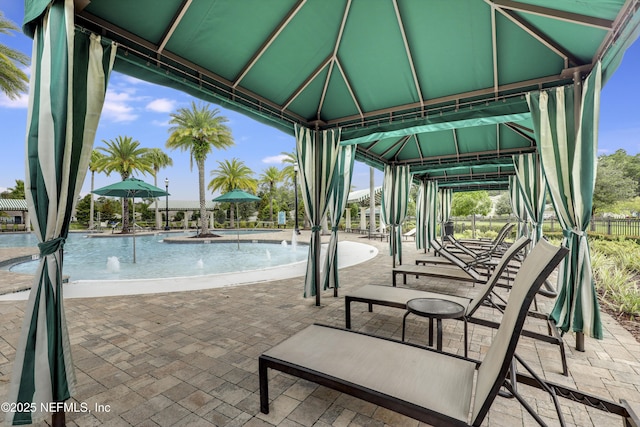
<point>274,159</point>
<point>159,123</point>
<point>161,105</point>
<point>21,102</point>
<point>117,107</point>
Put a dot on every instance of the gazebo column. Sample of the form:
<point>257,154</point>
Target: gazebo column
<point>187,215</point>
<point>363,219</point>
<point>212,222</point>
<point>347,220</point>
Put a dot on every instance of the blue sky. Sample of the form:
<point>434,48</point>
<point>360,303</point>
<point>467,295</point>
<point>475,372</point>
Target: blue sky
<point>141,110</point>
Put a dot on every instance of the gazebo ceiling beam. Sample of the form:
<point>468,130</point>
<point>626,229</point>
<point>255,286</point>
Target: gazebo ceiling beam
<point>455,141</point>
<point>419,148</point>
<point>307,81</point>
<point>542,38</point>
<point>350,89</point>
<point>476,156</point>
<point>449,99</point>
<point>514,127</point>
<point>604,24</point>
<point>494,50</point>
<point>408,52</point>
<point>399,142</point>
<point>335,54</point>
<point>404,143</point>
<point>174,24</point>
<point>272,37</point>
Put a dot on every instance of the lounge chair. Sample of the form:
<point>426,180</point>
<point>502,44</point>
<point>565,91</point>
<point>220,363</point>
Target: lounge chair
<point>410,233</point>
<point>421,383</point>
<point>483,252</point>
<point>455,269</point>
<point>447,258</point>
<point>398,297</point>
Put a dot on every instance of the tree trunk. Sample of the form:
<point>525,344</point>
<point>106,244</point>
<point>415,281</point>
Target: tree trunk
<point>91,204</point>
<point>271,202</point>
<point>204,226</point>
<point>232,214</point>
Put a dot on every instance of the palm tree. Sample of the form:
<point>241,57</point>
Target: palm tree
<point>94,166</point>
<point>232,175</point>
<point>159,159</point>
<point>13,81</point>
<point>271,176</point>
<point>199,130</point>
<point>289,172</point>
<point>17,192</point>
<point>124,156</point>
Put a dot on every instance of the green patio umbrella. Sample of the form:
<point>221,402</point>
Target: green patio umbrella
<point>237,196</point>
<point>131,188</point>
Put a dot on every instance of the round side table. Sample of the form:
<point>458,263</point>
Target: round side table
<point>436,308</point>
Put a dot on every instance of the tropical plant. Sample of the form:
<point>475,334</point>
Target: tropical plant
<point>199,130</point>
<point>159,159</point>
<point>94,166</point>
<point>232,175</point>
<point>271,177</point>
<point>17,192</point>
<point>290,175</point>
<point>289,171</point>
<point>13,81</point>
<point>124,156</point>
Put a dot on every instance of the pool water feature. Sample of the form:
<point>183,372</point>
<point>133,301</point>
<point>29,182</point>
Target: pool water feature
<point>111,258</point>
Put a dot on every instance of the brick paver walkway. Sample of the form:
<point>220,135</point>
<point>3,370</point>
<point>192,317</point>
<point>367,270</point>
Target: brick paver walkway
<point>191,358</point>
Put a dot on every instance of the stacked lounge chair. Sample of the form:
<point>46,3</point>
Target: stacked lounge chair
<point>424,384</point>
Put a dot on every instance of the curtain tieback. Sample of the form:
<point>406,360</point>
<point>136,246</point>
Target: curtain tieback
<point>316,228</point>
<point>51,246</point>
<point>334,228</point>
<point>567,233</point>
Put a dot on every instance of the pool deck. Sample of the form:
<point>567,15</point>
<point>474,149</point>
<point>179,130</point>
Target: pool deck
<point>191,358</point>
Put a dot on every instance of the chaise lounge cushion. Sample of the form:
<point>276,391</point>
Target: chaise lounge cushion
<point>402,371</point>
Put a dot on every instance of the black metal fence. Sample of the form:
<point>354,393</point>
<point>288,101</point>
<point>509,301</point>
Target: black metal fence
<point>629,227</point>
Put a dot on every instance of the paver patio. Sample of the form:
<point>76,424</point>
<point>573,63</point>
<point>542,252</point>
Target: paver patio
<point>191,358</point>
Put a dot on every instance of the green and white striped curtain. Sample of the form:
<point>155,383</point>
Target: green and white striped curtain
<point>421,216</point>
<point>426,214</point>
<point>533,189</point>
<point>568,153</point>
<point>517,207</point>
<point>395,201</point>
<point>341,186</point>
<point>445,196</point>
<point>69,74</point>
<point>317,154</point>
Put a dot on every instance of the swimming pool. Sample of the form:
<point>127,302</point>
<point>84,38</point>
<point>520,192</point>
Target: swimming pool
<point>111,258</point>
<point>22,240</point>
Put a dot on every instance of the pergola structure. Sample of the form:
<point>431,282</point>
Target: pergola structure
<point>453,94</point>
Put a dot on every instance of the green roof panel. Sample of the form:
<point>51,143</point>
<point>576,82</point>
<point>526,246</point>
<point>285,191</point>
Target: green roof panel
<point>453,58</point>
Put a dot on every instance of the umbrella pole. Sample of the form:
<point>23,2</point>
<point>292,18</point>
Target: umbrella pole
<point>133,202</point>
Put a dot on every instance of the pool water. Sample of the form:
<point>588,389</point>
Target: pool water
<point>111,258</point>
